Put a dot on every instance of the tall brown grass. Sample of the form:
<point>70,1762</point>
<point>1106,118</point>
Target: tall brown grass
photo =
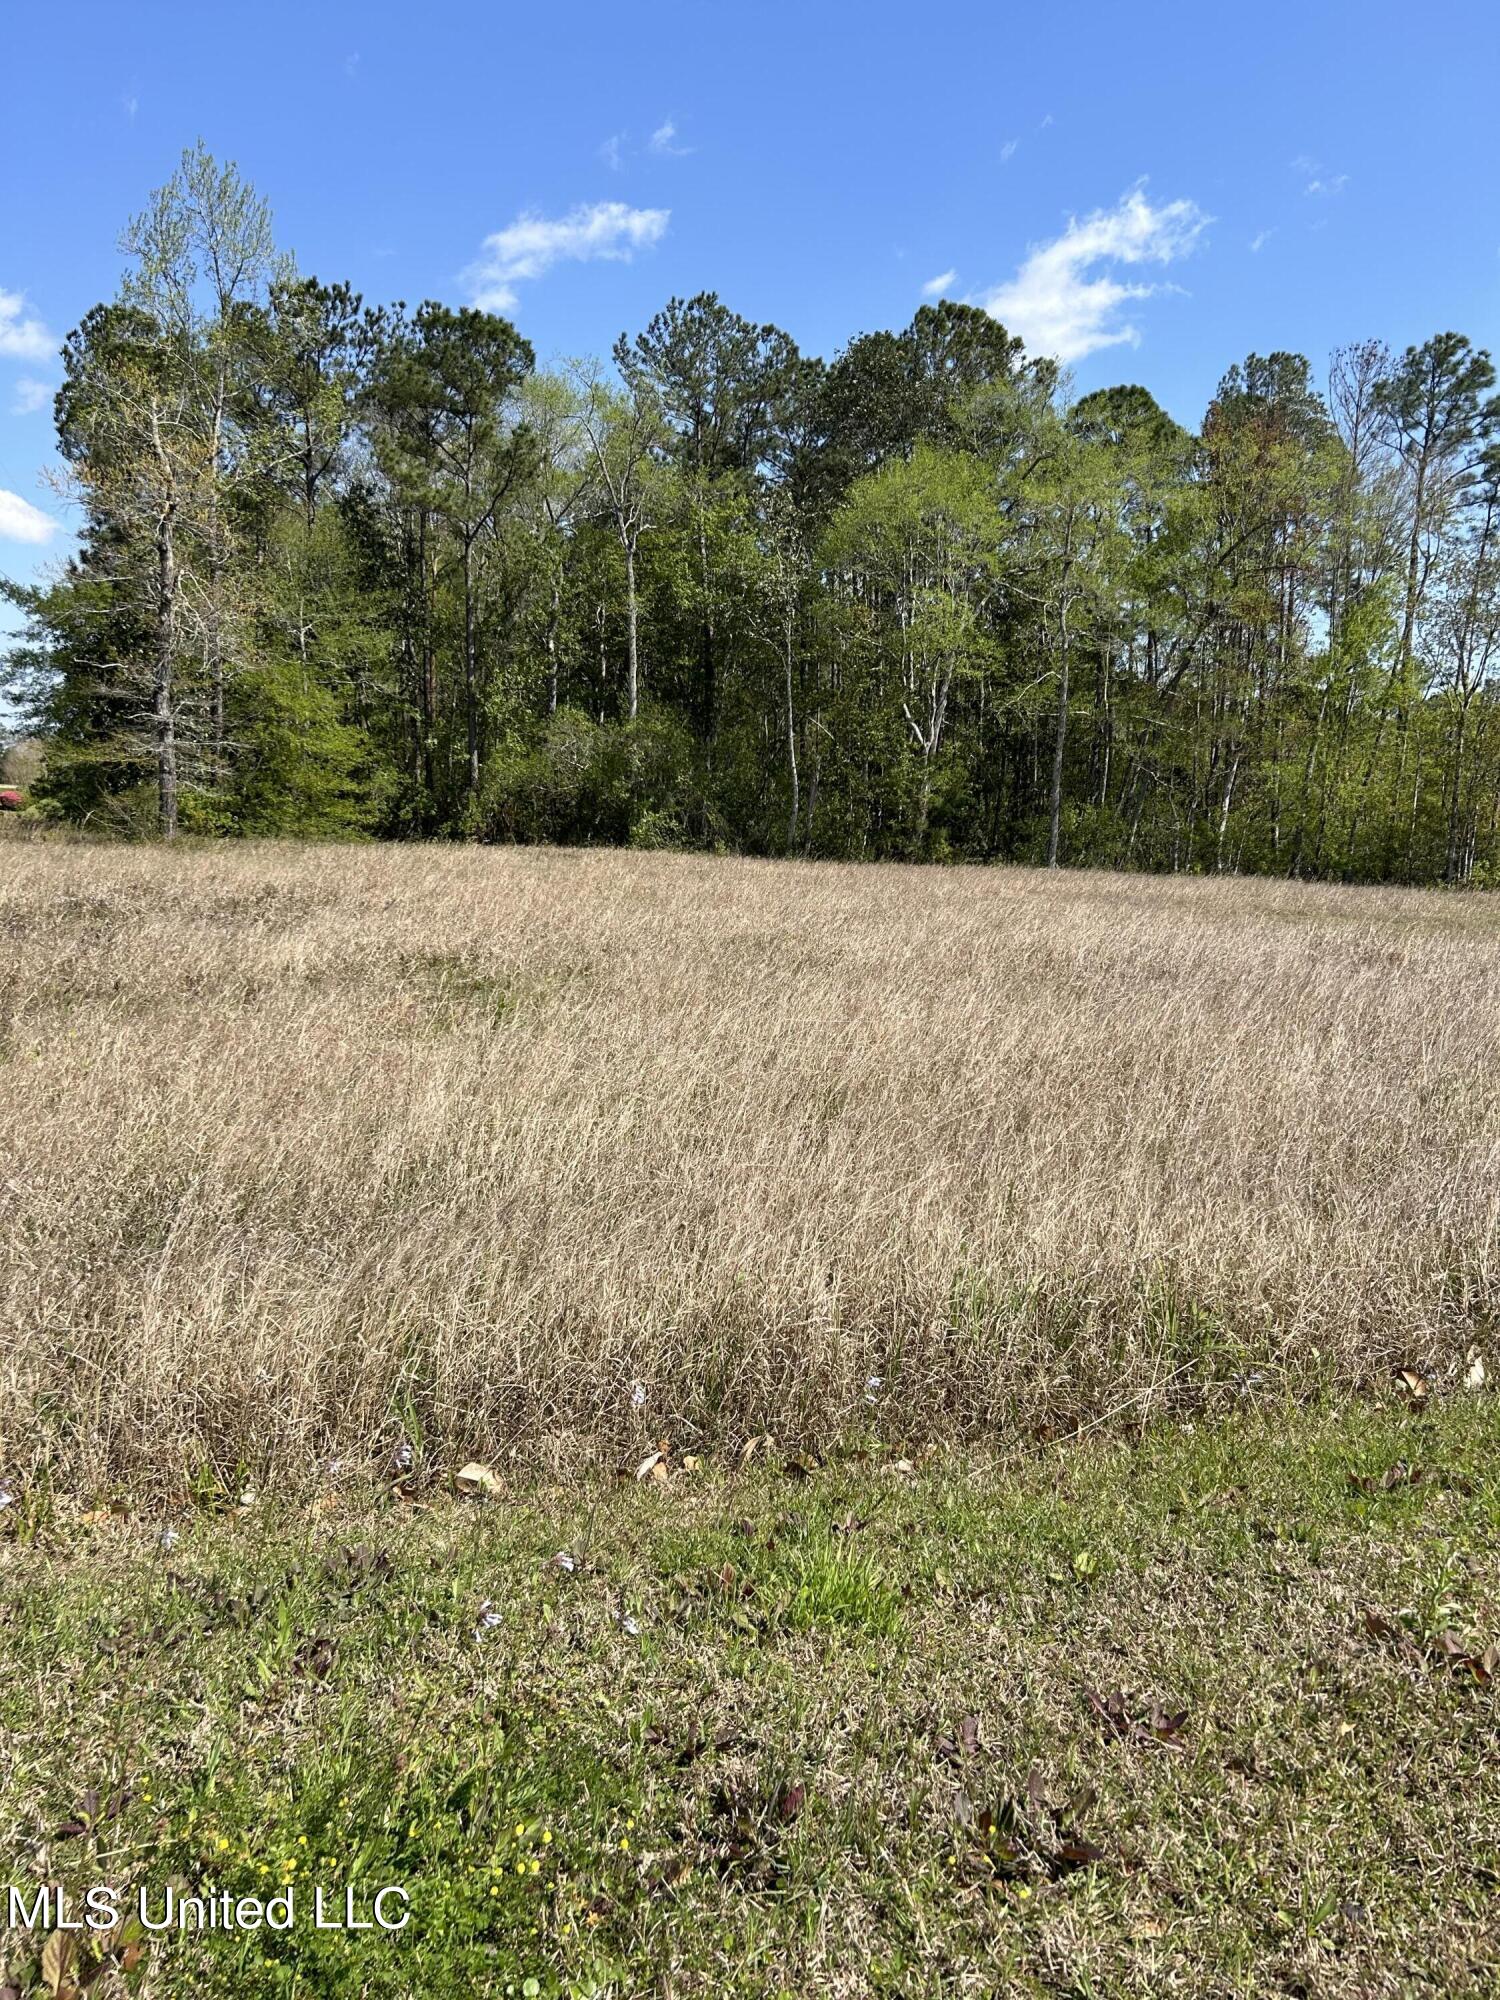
<point>307,1148</point>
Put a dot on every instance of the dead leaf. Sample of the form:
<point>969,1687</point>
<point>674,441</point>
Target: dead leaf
<point>653,1467</point>
<point>1413,1385</point>
<point>1474,1376</point>
<point>1155,1725</point>
<point>1075,1853</point>
<point>1380,1627</point>
<point>477,1481</point>
<point>791,1802</point>
<point>315,1658</point>
<point>964,1742</point>
<point>59,1956</point>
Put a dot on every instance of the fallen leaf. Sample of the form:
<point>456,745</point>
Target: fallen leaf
<point>1474,1376</point>
<point>1380,1627</point>
<point>477,1481</point>
<point>1075,1853</point>
<point>59,1954</point>
<point>1156,1725</point>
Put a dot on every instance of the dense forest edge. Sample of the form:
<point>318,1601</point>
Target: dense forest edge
<point>368,571</point>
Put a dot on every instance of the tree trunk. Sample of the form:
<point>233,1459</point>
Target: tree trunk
<point>471,701</point>
<point>1059,744</point>
<point>552,624</point>
<point>165,721</point>
<point>791,743</point>
<point>632,652</point>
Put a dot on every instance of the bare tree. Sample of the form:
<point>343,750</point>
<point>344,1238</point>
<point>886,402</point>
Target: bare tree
<point>626,434</point>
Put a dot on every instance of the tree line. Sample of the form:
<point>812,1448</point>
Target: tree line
<point>369,570</point>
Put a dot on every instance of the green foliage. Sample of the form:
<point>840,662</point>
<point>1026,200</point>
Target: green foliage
<point>350,569</point>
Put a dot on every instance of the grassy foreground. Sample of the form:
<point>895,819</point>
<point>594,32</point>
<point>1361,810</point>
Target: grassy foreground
<point>1210,1712</point>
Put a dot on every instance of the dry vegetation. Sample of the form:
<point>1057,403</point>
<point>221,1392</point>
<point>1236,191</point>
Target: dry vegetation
<point>307,1147</point>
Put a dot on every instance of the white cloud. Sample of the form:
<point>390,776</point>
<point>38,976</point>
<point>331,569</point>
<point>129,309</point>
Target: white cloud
<point>1261,238</point>
<point>663,140</point>
<point>532,244</point>
<point>23,339</point>
<point>130,105</point>
<point>31,396</point>
<point>1318,179</point>
<point>21,522</point>
<point>1058,304</point>
<point>611,152</point>
<point>935,287</point>
<point>1008,151</point>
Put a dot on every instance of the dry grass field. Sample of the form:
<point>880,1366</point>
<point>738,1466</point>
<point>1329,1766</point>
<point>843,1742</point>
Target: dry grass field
<point>312,1151</point>
<point>1104,1617</point>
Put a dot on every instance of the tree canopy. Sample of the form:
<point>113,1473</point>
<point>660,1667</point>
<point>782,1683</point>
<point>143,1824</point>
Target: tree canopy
<point>367,570</point>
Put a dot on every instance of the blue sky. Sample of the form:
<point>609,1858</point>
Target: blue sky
<point>1152,190</point>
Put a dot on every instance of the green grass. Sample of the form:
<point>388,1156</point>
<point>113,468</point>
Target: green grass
<point>1199,1713</point>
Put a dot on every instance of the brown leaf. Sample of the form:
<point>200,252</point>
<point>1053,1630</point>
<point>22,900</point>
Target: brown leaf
<point>477,1481</point>
<point>1158,1725</point>
<point>1110,1711</point>
<point>1380,1627</point>
<point>791,1802</point>
<point>1075,1853</point>
<point>674,1871</point>
<point>59,1955</point>
<point>316,1658</point>
<point>850,1525</point>
<point>653,1466</point>
<point>1413,1384</point>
